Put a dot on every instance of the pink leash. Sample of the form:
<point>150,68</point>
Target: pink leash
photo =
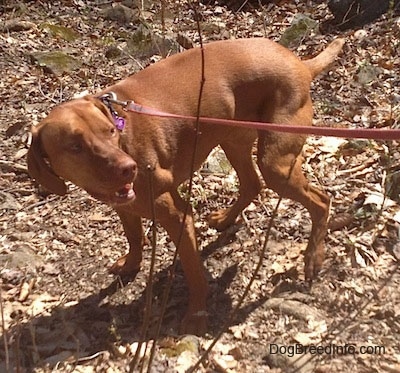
<point>355,133</point>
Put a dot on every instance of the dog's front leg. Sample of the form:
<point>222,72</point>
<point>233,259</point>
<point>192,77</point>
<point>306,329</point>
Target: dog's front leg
<point>129,264</point>
<point>170,210</point>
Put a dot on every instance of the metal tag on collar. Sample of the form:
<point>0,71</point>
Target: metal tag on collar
<point>108,99</point>
<point>119,122</point>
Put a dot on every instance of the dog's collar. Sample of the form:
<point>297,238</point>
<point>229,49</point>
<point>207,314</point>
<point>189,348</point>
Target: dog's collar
<point>107,99</point>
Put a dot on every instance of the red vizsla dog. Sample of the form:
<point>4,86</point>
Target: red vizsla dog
<point>249,79</point>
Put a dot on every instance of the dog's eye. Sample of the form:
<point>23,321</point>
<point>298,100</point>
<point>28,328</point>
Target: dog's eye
<point>75,147</point>
<point>113,131</point>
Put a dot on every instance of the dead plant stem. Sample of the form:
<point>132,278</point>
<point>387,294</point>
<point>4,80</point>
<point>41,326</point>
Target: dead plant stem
<point>149,287</point>
<point>340,325</point>
<point>189,192</point>
<point>235,310</point>
<point>3,327</point>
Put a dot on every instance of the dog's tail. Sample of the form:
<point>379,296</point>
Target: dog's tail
<point>325,58</point>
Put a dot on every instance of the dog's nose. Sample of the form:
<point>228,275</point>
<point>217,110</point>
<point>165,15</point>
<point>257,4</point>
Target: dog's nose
<point>128,169</point>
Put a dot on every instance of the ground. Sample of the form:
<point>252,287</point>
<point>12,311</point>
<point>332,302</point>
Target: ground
<point>62,311</point>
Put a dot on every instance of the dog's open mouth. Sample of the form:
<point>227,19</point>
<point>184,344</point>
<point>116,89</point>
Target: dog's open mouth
<point>123,195</point>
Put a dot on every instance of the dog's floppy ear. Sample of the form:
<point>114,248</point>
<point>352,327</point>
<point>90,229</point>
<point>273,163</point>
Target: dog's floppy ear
<point>40,170</point>
<point>100,105</point>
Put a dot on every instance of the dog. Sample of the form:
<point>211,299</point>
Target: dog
<point>245,79</point>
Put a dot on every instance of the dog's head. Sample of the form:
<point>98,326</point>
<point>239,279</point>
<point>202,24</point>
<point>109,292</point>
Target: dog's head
<point>78,141</point>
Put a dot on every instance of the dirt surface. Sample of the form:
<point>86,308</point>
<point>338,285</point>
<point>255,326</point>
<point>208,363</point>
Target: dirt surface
<point>62,311</point>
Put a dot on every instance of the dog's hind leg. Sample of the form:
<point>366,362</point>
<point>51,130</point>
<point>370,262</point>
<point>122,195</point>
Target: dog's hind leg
<point>239,155</point>
<point>280,161</point>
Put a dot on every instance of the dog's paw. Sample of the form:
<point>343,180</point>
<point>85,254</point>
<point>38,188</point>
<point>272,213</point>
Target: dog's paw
<point>313,263</point>
<point>220,219</point>
<point>194,323</point>
<point>125,266</point>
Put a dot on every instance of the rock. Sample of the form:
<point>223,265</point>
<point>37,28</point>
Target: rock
<point>289,358</point>
<point>112,52</point>
<point>300,27</point>
<point>20,255</point>
<point>184,41</point>
<point>356,13</point>
<point>8,202</point>
<point>144,44</point>
<point>367,73</point>
<point>189,343</point>
<point>295,308</point>
<point>121,14</point>
<point>65,33</point>
<point>217,163</point>
<point>56,62</point>
<point>16,25</point>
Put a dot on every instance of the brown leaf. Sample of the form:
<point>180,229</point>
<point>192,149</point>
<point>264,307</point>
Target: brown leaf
<point>340,221</point>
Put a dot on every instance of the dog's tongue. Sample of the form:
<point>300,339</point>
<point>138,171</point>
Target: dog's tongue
<point>126,188</point>
<point>126,191</point>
